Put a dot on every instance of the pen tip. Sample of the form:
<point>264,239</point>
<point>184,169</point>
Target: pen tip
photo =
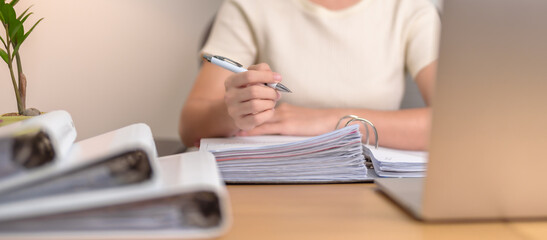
<point>207,57</point>
<point>282,88</point>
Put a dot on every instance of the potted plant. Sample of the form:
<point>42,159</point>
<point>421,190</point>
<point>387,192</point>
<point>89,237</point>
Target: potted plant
<point>11,39</point>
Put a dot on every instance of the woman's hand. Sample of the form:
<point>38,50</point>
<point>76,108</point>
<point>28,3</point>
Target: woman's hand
<point>249,102</point>
<point>293,120</point>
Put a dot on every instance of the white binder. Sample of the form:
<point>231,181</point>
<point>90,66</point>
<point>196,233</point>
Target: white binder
<point>189,200</point>
<point>35,142</point>
<point>123,157</point>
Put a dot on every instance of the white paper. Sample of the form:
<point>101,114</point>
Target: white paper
<point>336,156</point>
<point>398,163</point>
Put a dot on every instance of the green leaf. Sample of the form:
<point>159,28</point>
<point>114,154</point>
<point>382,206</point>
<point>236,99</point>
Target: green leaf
<point>4,55</point>
<point>15,27</point>
<point>19,35</point>
<point>23,14</point>
<point>18,44</point>
<point>9,13</point>
<point>15,50</point>
<point>13,2</point>
<point>25,18</point>
<point>2,18</point>
<point>31,29</point>
<point>5,45</point>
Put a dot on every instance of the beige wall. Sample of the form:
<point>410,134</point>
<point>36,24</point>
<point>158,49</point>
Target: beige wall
<point>111,63</point>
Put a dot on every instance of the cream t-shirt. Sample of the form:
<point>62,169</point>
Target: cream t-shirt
<point>350,58</point>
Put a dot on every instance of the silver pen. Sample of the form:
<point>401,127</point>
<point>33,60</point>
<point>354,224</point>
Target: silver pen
<point>234,66</point>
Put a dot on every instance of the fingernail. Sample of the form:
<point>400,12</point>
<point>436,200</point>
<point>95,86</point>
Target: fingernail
<point>241,133</point>
<point>277,76</point>
<point>278,95</point>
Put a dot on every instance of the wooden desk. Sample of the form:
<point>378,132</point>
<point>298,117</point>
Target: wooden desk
<point>347,211</point>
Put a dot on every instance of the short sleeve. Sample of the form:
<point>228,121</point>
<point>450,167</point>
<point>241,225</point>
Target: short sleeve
<point>422,41</point>
<point>232,34</point>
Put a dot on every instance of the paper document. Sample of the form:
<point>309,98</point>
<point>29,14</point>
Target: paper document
<point>336,156</point>
<point>397,163</point>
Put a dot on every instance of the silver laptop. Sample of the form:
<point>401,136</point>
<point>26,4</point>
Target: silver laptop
<point>488,149</point>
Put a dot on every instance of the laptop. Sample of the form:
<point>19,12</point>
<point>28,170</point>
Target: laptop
<point>488,145</point>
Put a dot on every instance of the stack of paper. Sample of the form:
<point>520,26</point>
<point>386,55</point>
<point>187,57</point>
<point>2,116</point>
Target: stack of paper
<point>397,163</point>
<point>111,185</point>
<point>333,157</point>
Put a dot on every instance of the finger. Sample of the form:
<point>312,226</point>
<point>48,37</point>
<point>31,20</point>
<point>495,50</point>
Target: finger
<point>260,67</point>
<point>251,121</point>
<point>280,114</point>
<point>251,93</point>
<point>254,107</point>
<point>263,129</point>
<point>252,77</point>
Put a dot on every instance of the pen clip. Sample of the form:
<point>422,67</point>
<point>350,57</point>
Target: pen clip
<point>227,60</point>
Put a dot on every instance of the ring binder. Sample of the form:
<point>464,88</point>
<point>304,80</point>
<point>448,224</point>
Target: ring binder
<point>362,121</point>
<point>333,157</point>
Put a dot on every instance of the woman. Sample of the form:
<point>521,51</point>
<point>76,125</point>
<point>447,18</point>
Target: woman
<point>339,57</point>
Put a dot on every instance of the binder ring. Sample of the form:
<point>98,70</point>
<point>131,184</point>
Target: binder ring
<point>364,122</point>
<point>353,117</point>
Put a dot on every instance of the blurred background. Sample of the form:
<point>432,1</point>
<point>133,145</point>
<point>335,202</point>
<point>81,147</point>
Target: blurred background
<point>111,63</point>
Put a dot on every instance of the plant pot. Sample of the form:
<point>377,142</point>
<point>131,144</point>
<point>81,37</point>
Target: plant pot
<point>6,120</point>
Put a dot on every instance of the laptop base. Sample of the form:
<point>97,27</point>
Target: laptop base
<point>407,192</point>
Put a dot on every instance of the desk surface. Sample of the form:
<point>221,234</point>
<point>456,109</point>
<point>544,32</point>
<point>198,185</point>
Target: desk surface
<point>347,211</point>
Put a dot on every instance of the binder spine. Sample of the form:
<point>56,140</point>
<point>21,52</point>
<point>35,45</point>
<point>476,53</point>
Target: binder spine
<point>35,142</point>
<point>125,169</point>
